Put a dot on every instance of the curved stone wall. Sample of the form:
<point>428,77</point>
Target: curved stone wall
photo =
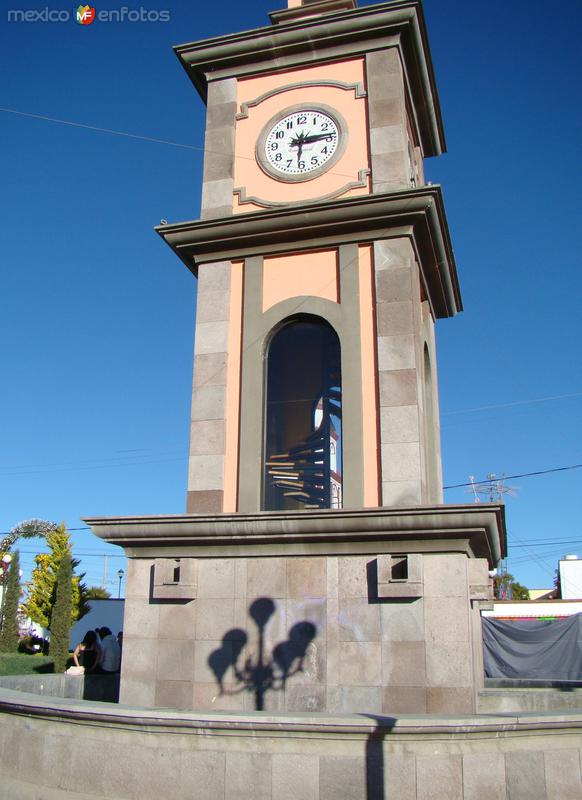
<point>76,749</point>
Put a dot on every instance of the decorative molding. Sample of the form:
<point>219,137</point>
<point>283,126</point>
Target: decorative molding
<point>203,724</point>
<point>358,89</point>
<point>324,38</point>
<point>360,183</point>
<point>418,214</point>
<point>475,530</point>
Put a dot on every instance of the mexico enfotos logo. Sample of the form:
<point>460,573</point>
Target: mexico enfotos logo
<point>86,15</point>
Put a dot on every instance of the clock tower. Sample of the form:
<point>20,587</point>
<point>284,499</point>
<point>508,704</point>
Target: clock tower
<point>316,567</point>
<point>318,233</point>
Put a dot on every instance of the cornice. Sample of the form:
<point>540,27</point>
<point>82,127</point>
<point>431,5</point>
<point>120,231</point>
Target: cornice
<point>330,36</point>
<point>481,527</point>
<point>418,213</point>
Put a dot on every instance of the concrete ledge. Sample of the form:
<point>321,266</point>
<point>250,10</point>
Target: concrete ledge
<point>478,530</point>
<point>281,724</point>
<point>81,687</point>
<point>531,683</point>
<point>53,746</point>
<point>523,701</point>
<point>416,213</point>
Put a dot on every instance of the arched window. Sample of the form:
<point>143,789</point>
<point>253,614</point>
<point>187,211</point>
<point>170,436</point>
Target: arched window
<point>303,417</point>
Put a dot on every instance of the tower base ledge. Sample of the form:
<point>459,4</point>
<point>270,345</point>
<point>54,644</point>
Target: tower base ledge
<point>477,530</point>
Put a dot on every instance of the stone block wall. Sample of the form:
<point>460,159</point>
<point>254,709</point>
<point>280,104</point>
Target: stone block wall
<point>330,640</point>
<point>409,432</point>
<point>208,416</point>
<point>388,122</point>
<point>52,748</point>
<point>218,182</point>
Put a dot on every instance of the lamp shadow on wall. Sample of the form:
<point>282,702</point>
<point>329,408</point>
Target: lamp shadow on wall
<point>261,671</point>
<point>375,779</point>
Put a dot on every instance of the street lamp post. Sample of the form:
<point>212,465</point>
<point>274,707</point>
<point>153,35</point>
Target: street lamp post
<point>120,576</point>
<point>4,568</point>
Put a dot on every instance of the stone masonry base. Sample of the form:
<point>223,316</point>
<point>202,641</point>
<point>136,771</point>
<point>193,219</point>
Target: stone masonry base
<point>54,748</point>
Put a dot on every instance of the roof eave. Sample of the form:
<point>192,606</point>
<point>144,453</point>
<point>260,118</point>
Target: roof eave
<point>330,36</point>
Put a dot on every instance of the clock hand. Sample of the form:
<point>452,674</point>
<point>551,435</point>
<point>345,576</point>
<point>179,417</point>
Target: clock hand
<point>298,140</point>
<point>317,137</point>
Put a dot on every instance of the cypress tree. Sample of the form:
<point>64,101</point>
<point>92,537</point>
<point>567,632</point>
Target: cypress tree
<point>60,618</point>
<point>10,599</point>
<point>42,586</point>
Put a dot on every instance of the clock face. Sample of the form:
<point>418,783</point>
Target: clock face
<point>300,143</point>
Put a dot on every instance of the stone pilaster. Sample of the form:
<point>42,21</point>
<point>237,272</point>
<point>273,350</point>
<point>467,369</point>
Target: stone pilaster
<point>398,372</point>
<point>208,417</point>
<point>218,180</point>
<point>389,152</point>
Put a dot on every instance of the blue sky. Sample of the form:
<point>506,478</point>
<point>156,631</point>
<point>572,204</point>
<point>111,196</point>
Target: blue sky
<point>98,315</point>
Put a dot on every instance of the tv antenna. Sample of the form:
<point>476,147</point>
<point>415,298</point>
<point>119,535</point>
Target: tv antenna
<point>492,489</point>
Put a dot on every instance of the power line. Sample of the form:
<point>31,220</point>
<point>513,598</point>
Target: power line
<point>512,477</point>
<point>99,129</point>
<point>451,486</point>
<point>549,543</point>
<point>77,554</point>
<point>539,560</point>
<point>515,403</point>
<point>83,528</point>
<point>93,466</point>
<point>140,452</point>
<point>138,136</point>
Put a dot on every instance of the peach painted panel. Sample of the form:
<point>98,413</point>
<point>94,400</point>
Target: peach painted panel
<point>248,174</point>
<point>369,387</point>
<point>233,366</point>
<point>312,274</point>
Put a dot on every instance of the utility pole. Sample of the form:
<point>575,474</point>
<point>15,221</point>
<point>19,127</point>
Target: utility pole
<point>104,585</point>
<point>493,490</point>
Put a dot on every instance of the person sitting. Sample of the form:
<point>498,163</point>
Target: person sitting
<point>87,653</point>
<point>110,652</point>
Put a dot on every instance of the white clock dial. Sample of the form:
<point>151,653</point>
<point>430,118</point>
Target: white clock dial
<point>301,143</point>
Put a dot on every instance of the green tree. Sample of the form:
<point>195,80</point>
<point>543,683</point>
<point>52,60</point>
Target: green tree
<point>97,593</point>
<point>60,617</point>
<point>10,600</point>
<point>505,587</point>
<point>41,588</point>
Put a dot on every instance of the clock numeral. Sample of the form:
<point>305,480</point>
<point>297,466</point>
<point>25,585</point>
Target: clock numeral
<point>324,126</point>
<point>274,146</point>
<point>314,161</point>
<point>278,157</point>
<point>279,135</point>
<point>301,164</point>
<point>302,119</point>
<point>289,162</point>
<point>290,125</point>
<point>324,151</point>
